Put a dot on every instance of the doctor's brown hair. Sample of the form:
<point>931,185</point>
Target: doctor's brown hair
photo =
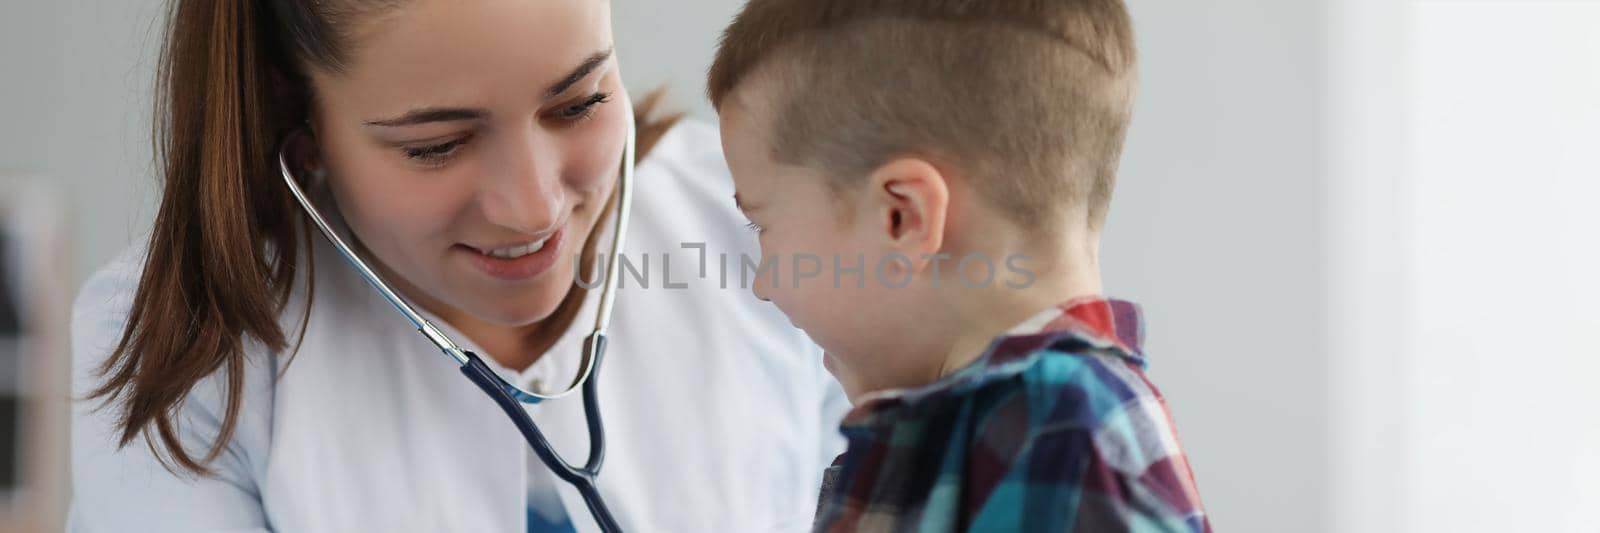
<point>228,237</point>
<point>1029,98</point>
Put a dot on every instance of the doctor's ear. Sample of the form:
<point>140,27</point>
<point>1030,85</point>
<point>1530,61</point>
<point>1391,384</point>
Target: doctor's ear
<point>305,156</point>
<point>910,200</point>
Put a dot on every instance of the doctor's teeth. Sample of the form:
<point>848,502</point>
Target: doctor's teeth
<point>517,251</point>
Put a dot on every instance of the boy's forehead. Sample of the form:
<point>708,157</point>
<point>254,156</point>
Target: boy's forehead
<point>748,108</point>
<point>747,154</point>
<point>746,127</point>
<point>758,96</point>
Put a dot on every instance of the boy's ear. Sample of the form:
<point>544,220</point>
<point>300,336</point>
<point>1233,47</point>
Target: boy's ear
<point>910,200</point>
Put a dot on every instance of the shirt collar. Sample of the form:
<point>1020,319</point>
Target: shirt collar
<point>1104,323</point>
<point>1114,326</point>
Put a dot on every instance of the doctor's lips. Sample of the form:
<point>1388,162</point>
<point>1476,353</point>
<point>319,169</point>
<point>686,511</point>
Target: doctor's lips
<point>517,261</point>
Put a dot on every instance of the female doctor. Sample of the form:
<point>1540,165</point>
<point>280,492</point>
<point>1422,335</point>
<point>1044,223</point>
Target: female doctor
<point>239,377</point>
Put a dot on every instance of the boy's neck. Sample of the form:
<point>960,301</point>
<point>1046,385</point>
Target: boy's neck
<point>1066,270</point>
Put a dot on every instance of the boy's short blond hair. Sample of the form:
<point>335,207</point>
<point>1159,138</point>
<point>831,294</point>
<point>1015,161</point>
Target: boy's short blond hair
<point>1029,98</point>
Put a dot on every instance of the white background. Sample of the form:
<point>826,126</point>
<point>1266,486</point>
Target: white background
<point>1364,231</point>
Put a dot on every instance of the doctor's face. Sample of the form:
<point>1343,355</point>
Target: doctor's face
<point>472,146</point>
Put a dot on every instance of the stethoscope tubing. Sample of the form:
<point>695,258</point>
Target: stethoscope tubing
<point>581,478</point>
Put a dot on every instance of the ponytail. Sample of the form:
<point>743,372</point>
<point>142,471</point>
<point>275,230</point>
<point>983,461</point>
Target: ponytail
<point>222,255</point>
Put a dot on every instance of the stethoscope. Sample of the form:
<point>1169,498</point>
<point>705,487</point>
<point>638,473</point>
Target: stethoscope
<point>510,397</point>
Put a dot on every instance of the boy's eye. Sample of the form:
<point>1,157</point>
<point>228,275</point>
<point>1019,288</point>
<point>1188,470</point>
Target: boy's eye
<point>754,227</point>
<point>582,110</point>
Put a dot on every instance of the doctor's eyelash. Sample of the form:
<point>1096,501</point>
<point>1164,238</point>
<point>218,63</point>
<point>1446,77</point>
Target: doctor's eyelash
<point>435,153</point>
<point>583,110</point>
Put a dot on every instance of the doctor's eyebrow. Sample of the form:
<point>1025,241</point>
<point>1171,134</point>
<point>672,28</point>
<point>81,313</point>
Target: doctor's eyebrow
<point>451,114</point>
<point>578,74</point>
<point>430,114</point>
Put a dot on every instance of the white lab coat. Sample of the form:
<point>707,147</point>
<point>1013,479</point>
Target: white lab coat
<point>718,414</point>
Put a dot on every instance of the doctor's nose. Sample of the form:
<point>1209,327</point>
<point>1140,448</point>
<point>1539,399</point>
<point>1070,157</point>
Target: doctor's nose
<point>524,194</point>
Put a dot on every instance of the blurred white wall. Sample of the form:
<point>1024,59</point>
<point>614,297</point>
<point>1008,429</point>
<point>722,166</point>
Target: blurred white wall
<point>1360,228</point>
<point>670,44</point>
<point>1217,229</point>
<point>75,83</point>
<point>1502,333</point>
<point>1464,246</point>
<point>1366,234</point>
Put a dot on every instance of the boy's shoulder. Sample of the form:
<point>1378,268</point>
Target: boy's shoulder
<point>1069,387</point>
<point>1081,405</point>
<point>1087,423</point>
<point>1068,368</point>
<point>1055,427</point>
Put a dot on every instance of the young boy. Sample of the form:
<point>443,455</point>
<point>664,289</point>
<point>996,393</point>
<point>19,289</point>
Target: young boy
<point>918,146</point>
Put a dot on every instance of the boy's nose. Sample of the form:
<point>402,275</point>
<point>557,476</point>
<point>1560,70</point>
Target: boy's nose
<point>759,287</point>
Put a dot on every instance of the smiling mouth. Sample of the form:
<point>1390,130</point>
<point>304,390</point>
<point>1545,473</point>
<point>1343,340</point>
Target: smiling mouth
<point>517,262</point>
<point>513,252</point>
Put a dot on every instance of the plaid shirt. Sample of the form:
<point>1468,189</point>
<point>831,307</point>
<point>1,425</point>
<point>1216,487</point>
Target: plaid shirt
<point>1055,428</point>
